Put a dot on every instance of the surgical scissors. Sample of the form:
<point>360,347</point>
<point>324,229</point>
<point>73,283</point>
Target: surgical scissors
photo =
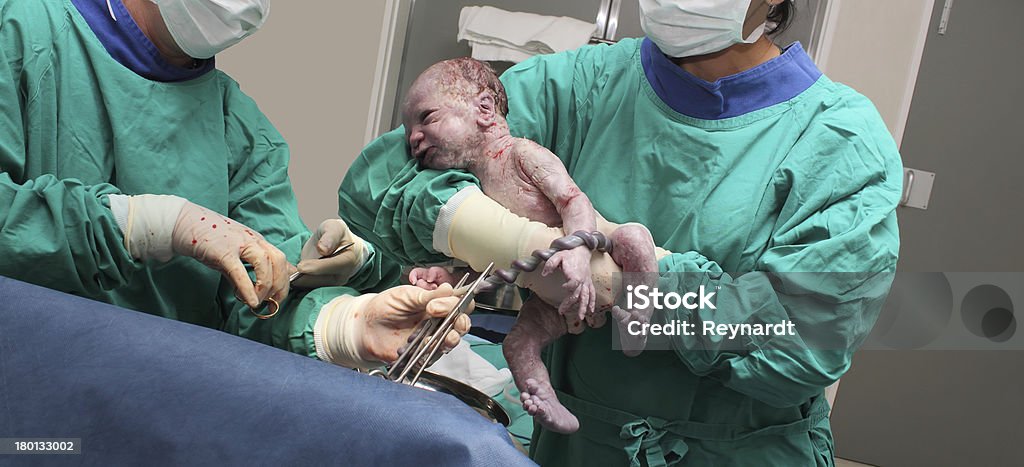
<point>423,346</point>
<point>291,281</point>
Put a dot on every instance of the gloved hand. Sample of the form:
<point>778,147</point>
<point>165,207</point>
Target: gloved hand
<point>317,272</point>
<point>159,226</point>
<point>367,331</point>
<point>224,244</point>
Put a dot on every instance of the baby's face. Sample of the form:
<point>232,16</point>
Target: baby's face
<point>441,128</point>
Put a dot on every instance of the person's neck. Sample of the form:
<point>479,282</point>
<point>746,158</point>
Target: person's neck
<point>147,16</point>
<point>735,59</point>
<point>494,150</point>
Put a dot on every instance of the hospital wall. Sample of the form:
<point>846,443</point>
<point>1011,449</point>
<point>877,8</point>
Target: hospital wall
<point>311,70</point>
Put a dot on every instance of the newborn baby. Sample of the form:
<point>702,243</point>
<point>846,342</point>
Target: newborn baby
<point>454,118</point>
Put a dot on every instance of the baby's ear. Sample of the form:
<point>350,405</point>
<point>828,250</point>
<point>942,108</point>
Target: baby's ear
<point>485,109</point>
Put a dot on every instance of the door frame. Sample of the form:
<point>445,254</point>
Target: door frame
<point>389,66</point>
<point>829,42</point>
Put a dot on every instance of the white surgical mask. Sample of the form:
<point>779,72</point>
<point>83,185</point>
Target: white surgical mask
<point>686,28</point>
<point>202,28</point>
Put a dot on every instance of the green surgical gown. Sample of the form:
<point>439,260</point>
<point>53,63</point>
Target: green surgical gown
<point>806,185</point>
<point>76,126</point>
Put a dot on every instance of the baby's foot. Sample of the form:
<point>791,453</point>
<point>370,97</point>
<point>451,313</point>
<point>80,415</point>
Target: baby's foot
<point>430,278</point>
<point>540,402</point>
<point>632,345</point>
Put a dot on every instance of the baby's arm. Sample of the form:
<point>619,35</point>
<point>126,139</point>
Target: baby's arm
<point>546,172</point>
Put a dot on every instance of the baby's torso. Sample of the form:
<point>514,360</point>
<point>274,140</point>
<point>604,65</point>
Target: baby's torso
<point>510,183</point>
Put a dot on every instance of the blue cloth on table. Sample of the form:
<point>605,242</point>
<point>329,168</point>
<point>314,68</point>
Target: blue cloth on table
<point>137,387</point>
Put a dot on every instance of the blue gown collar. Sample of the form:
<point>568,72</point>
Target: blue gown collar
<point>127,44</point>
<point>775,81</point>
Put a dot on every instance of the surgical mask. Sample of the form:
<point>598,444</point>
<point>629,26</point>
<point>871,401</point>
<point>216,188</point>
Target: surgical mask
<point>202,28</point>
<point>686,28</point>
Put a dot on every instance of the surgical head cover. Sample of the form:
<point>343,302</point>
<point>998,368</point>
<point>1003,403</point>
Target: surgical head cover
<point>686,28</point>
<point>202,28</point>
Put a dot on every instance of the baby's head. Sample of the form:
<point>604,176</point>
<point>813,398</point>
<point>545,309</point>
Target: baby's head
<point>449,110</point>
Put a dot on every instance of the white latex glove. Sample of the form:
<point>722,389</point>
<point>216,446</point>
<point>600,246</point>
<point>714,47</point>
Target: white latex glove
<point>317,272</point>
<point>156,227</point>
<point>367,331</point>
<point>224,245</point>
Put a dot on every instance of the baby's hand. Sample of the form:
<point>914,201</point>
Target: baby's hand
<point>575,265</point>
<point>431,278</point>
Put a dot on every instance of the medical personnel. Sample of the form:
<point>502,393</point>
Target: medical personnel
<point>126,156</point>
<point>740,157</point>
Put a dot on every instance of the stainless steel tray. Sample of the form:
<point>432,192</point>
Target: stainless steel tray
<point>479,401</point>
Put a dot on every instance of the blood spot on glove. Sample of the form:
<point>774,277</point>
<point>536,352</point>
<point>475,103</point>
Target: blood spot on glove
<point>194,241</point>
<point>202,218</point>
<point>215,226</point>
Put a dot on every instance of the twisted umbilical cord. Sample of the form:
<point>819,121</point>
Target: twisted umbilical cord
<point>592,240</point>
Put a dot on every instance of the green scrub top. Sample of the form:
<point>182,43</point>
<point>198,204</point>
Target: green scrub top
<point>76,126</point>
<point>807,185</point>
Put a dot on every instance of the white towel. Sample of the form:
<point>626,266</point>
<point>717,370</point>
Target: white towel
<point>462,364</point>
<point>496,34</point>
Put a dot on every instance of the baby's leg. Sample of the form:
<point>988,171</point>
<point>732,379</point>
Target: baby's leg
<point>634,251</point>
<point>537,326</point>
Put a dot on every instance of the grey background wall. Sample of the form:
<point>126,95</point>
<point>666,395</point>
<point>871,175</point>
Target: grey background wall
<point>925,408</point>
<point>311,70</point>
<point>964,125</point>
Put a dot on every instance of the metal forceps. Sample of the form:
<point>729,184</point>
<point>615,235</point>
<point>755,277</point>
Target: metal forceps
<point>423,346</point>
<point>273,305</point>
